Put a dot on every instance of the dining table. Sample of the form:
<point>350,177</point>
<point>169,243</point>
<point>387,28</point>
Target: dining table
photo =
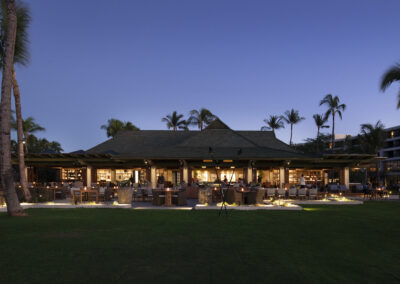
<point>84,191</point>
<point>168,195</point>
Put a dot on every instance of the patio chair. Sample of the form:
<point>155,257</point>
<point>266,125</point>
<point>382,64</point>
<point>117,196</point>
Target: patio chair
<point>138,193</point>
<point>302,193</point>
<point>256,197</point>
<point>313,193</point>
<point>179,198</point>
<point>292,192</point>
<point>158,198</point>
<point>281,193</point>
<point>105,193</point>
<point>149,195</point>
<point>271,192</point>
<point>343,189</point>
<point>333,188</point>
<point>233,196</point>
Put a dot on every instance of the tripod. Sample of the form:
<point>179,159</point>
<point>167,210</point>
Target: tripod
<point>221,190</point>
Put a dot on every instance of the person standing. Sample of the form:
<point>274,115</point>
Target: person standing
<point>302,181</point>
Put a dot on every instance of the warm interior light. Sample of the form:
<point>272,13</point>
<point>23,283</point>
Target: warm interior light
<point>227,161</point>
<point>207,161</point>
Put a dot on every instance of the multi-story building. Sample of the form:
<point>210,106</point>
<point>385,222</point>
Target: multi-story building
<point>389,166</point>
<point>391,151</point>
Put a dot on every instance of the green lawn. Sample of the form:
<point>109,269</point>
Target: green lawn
<point>323,244</point>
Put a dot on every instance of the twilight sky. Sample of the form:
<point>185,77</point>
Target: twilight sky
<point>244,60</point>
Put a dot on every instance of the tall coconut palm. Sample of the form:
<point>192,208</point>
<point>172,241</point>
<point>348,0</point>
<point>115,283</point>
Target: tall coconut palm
<point>175,121</point>
<point>7,181</point>
<point>201,118</point>
<point>113,126</point>
<point>320,121</point>
<point>334,107</point>
<point>391,75</point>
<point>292,117</point>
<point>273,122</point>
<point>21,57</point>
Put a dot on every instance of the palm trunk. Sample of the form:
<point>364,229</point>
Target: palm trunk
<point>26,142</point>
<point>333,130</point>
<point>291,133</point>
<point>21,156</point>
<point>317,139</point>
<point>7,181</point>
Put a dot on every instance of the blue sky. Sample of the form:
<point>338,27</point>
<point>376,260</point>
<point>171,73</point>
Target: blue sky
<point>244,60</point>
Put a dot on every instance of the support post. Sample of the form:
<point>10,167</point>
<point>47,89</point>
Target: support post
<point>185,172</point>
<point>89,176</point>
<point>281,177</point>
<point>153,177</point>
<point>113,176</point>
<point>249,173</point>
<point>347,177</point>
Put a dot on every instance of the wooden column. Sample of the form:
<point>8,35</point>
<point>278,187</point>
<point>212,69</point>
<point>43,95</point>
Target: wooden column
<point>84,180</point>
<point>341,176</point>
<point>94,175</point>
<point>190,175</point>
<point>246,180</point>
<point>286,176</point>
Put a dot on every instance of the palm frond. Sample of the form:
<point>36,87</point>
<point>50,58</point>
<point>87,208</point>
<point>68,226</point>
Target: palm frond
<point>390,76</point>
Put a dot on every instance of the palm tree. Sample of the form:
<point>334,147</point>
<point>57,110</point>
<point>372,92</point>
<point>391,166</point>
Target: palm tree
<point>392,75</point>
<point>372,139</point>
<point>334,107</point>
<point>320,121</point>
<point>372,136</point>
<point>29,127</point>
<point>292,117</point>
<point>21,57</point>
<point>201,118</point>
<point>274,122</point>
<point>113,126</point>
<point>175,121</point>
<point>13,206</point>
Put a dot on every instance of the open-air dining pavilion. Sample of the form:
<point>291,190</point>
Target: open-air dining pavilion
<point>168,167</point>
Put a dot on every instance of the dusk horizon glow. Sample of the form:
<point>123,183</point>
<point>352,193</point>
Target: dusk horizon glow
<point>139,61</point>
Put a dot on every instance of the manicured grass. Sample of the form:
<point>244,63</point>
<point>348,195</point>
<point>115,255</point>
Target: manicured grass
<point>323,244</point>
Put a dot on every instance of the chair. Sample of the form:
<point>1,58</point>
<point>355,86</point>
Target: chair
<point>149,193</point>
<point>302,193</point>
<point>256,197</point>
<point>105,193</point>
<point>179,198</point>
<point>271,192</point>
<point>281,193</point>
<point>333,188</point>
<point>158,198</point>
<point>359,188</point>
<point>313,193</point>
<point>137,193</point>
<point>292,192</point>
<point>343,189</point>
<point>233,196</point>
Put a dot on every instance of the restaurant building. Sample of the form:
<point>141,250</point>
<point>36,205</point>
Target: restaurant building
<point>193,156</point>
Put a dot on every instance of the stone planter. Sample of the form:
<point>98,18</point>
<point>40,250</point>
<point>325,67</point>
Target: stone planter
<point>205,196</point>
<point>125,195</point>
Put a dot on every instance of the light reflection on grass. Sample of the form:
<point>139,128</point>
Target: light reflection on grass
<point>312,209</point>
